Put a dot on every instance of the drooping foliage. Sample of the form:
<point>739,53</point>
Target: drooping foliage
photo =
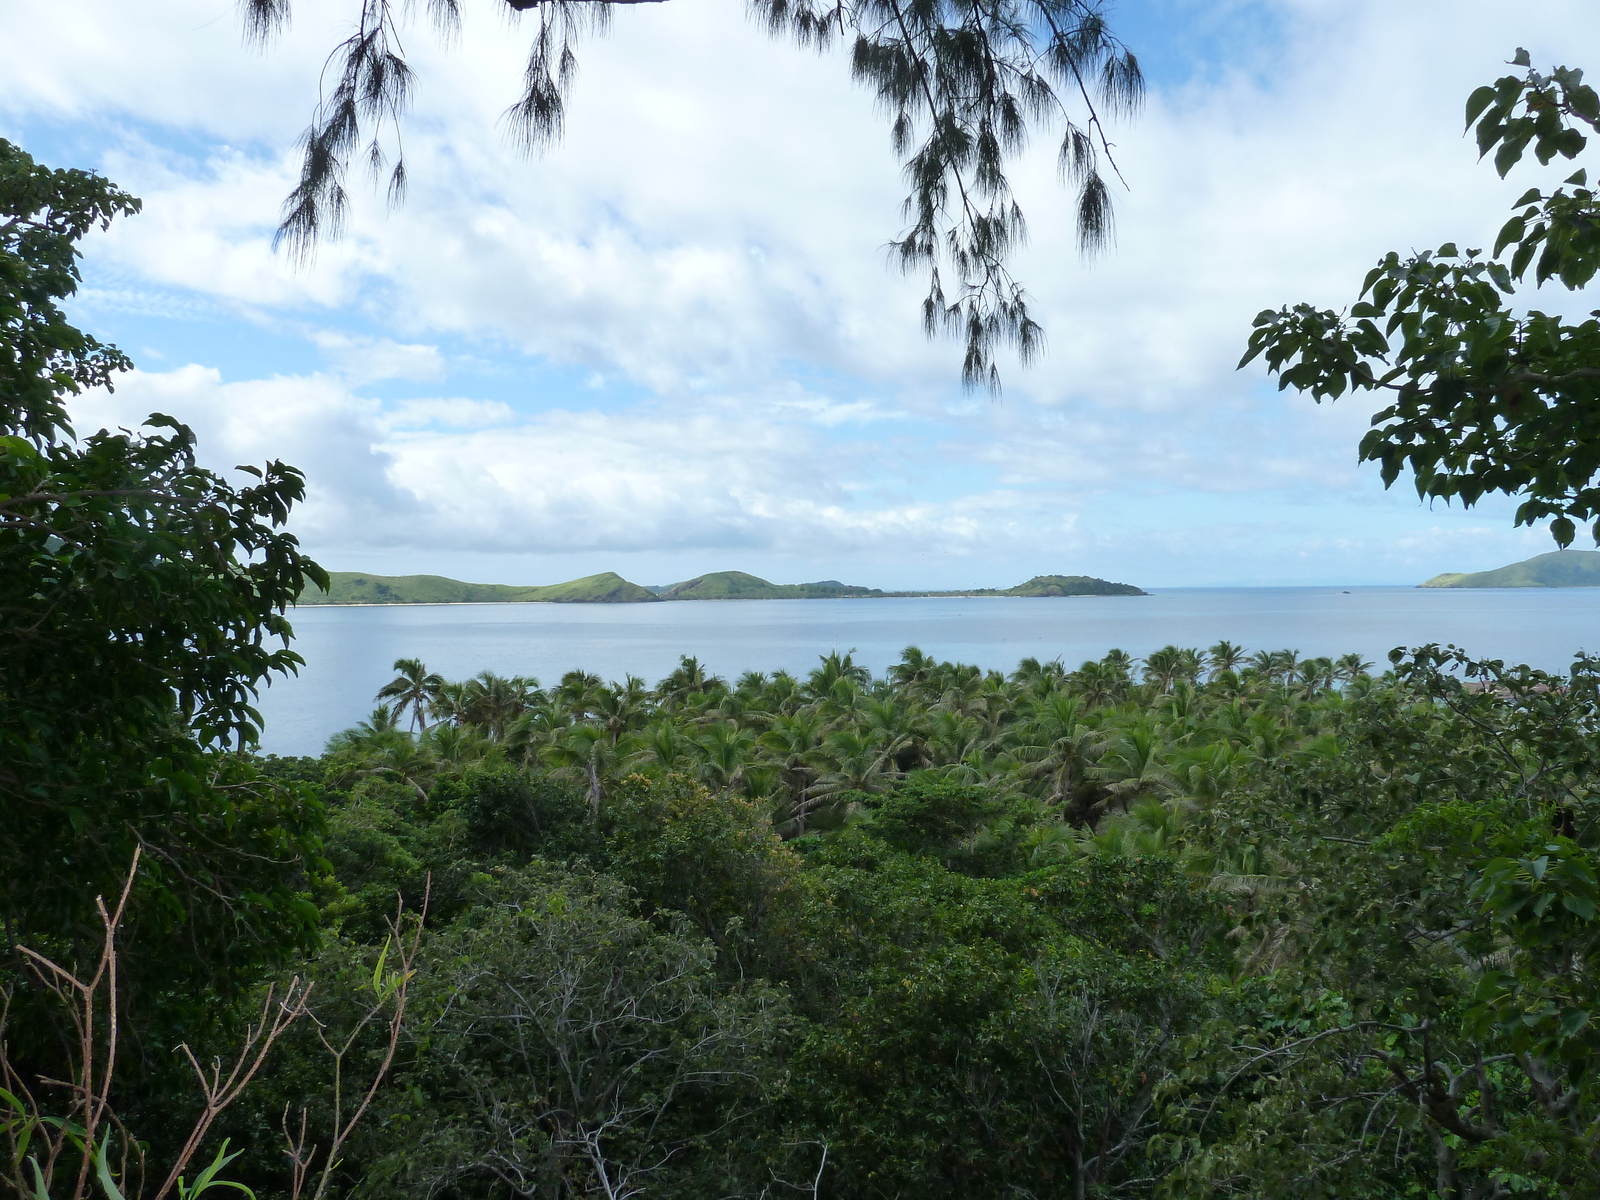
<point>963,83</point>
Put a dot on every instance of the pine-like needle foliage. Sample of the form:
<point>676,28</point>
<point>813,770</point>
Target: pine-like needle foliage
<point>963,82</point>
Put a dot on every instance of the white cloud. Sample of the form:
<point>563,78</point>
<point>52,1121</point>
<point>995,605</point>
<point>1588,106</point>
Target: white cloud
<point>703,254</point>
<point>457,413</point>
<point>360,360</point>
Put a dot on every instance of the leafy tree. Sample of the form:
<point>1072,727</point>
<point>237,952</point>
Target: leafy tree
<point>964,84</point>
<point>140,599</point>
<point>1480,397</point>
<point>573,1048</point>
<point>1415,907</point>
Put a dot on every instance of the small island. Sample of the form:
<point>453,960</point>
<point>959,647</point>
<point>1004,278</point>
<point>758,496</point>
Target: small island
<point>1558,569</point>
<point>353,587</point>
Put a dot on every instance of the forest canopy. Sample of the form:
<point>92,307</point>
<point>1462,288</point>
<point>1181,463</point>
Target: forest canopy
<point>1211,924</point>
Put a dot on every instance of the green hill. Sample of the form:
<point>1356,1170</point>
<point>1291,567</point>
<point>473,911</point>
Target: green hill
<point>1558,569</point>
<point>1072,585</point>
<point>736,585</point>
<point>351,587</point>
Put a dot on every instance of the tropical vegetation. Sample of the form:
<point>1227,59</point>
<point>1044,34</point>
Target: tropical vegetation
<point>1217,923</point>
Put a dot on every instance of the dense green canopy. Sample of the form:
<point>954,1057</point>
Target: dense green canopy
<point>141,604</point>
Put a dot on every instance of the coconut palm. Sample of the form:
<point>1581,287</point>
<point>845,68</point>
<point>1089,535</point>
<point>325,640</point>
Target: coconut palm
<point>1350,667</point>
<point>687,678</point>
<point>952,737</point>
<point>848,760</point>
<point>1097,683</point>
<point>665,746</point>
<point>457,744</point>
<point>578,690</point>
<point>834,667</point>
<point>414,687</point>
<point>585,750</point>
<point>723,750</point>
<point>492,702</point>
<point>897,730</point>
<point>782,696</point>
<point>792,743</point>
<point>1055,744</point>
<point>1224,656</point>
<point>1130,767</point>
<point>1164,667</point>
<point>913,670</point>
<point>621,707</point>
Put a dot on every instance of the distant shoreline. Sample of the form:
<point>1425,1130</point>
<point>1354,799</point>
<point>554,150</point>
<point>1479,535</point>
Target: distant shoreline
<point>986,595</point>
<point>353,588</point>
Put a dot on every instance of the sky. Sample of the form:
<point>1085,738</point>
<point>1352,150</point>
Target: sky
<point>672,343</point>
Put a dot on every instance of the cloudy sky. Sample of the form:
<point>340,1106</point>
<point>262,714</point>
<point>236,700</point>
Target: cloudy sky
<point>672,344</point>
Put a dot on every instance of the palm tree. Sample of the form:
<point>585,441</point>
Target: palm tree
<point>536,727</point>
<point>1120,663</point>
<point>492,702</point>
<point>1263,663</point>
<point>1163,668</point>
<point>849,761</point>
<point>1130,766</point>
<point>620,707</point>
<point>1350,667</point>
<point>952,737</point>
<point>792,742</point>
<point>578,689</point>
<point>782,695</point>
<point>585,749</point>
<point>415,687</point>
<point>687,678</point>
<point>1055,743</point>
<point>665,746</point>
<point>724,750</point>
<point>913,670</point>
<point>895,727</point>
<point>378,731</point>
<point>457,744</point>
<point>1224,656</point>
<point>1097,683</point>
<point>835,666</point>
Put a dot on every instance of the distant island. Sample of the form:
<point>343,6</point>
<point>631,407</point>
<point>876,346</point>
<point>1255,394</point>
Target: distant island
<point>1558,569</point>
<point>353,587</point>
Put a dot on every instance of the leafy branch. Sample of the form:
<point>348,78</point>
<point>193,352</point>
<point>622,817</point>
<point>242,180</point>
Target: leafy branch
<point>963,82</point>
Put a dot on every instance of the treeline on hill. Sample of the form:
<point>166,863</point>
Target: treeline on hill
<point>1202,926</point>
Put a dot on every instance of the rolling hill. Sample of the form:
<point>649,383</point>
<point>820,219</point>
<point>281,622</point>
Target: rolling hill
<point>736,585</point>
<point>352,587</point>
<point>1558,569</point>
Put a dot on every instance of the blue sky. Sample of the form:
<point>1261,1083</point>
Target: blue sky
<point>671,344</point>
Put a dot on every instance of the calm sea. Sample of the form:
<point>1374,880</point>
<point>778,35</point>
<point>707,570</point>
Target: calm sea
<point>349,651</point>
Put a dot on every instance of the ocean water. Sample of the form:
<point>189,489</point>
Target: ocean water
<point>349,652</point>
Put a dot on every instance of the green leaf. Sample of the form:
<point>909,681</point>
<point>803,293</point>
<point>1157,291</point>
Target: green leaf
<point>1480,99</point>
